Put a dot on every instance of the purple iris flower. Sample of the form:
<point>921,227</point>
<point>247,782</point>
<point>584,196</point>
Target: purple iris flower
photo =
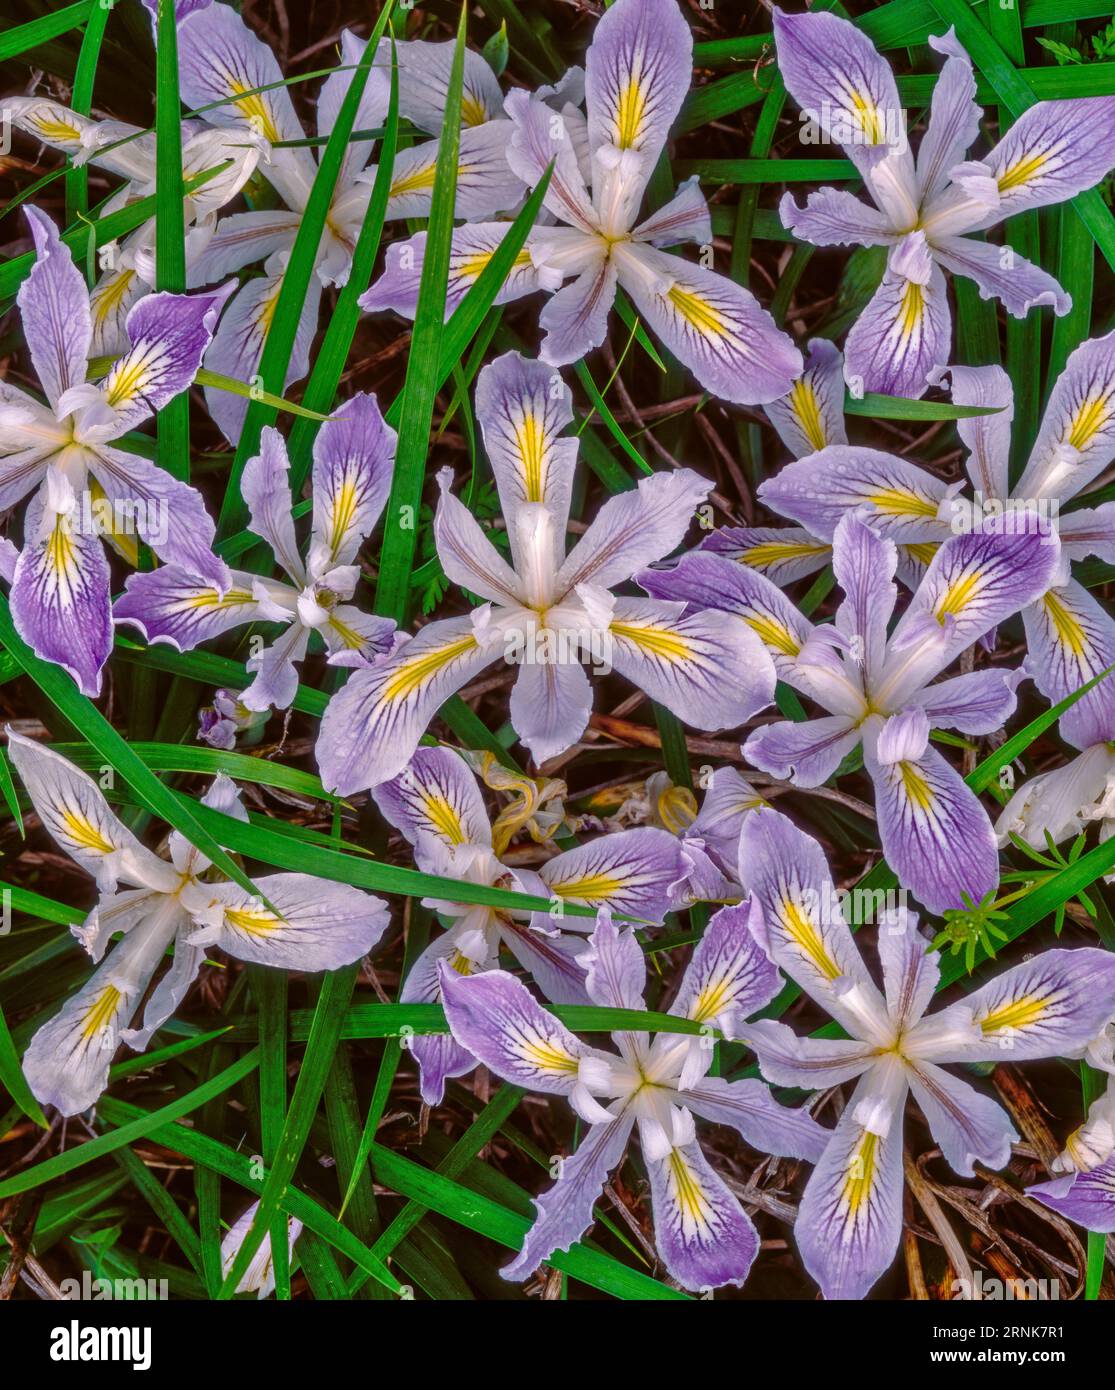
<point>658,1084</point>
<point>547,612</point>
<point>66,451</point>
<point>436,803</point>
<point>222,63</point>
<point>166,905</point>
<point>354,456</point>
<point>926,210</point>
<point>637,73</point>
<point>1070,636</point>
<point>881,691</point>
<point>850,1218</point>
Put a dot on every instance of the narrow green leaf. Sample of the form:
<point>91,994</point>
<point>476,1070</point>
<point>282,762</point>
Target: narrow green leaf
<point>325,1034</point>
<point>11,1074</point>
<point>205,377</point>
<point>422,377</point>
<point>81,101</point>
<point>172,423</point>
<point>24,37</point>
<point>221,1159</point>
<point>478,1213</point>
<point>71,1159</point>
<point>877,407</point>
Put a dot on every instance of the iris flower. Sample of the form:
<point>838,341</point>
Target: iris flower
<point>436,803</point>
<point>1070,637</point>
<point>808,419</point>
<point>637,73</point>
<point>221,60</point>
<point>169,904</point>
<point>354,456</point>
<point>877,688</point>
<point>659,1083</point>
<point>850,1218</point>
<point>1064,801</point>
<point>66,451</point>
<point>1084,1188</point>
<point>128,151</point>
<point>259,1277</point>
<point>546,611</point>
<point>708,834</point>
<point>927,210</point>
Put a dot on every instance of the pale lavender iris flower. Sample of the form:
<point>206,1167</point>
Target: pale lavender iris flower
<point>881,690</point>
<point>1070,636</point>
<point>221,59</point>
<point>850,1219</point>
<point>637,73</point>
<point>926,210</point>
<point>658,1083</point>
<point>545,611</point>
<point>437,805</point>
<point>73,454</point>
<point>167,905</point>
<point>354,457</point>
<point>128,268</point>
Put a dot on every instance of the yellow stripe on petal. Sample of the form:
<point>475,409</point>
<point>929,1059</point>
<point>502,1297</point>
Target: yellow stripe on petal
<point>959,595</point>
<point>911,312</point>
<point>659,642</point>
<point>807,411</point>
<point>255,109</point>
<point>346,634</point>
<point>894,501</point>
<point>530,439</point>
<point>1088,421</point>
<point>101,1012</point>
<point>773,633</point>
<point>697,312</point>
<point>413,674</point>
<point>61,131</point>
<point>677,808</point>
<point>473,111</point>
<point>591,887</point>
<point>807,939</point>
<point>84,833</point>
<point>769,553</point>
<point>471,266</point>
<point>342,510</point>
<point>210,598</point>
<point>870,121</point>
<point>416,182</point>
<point>128,380</point>
<point>546,1057</point>
<point>710,1001</point>
<point>862,1169</point>
<point>630,111</point>
<point>461,964</point>
<point>1019,1013</point>
<point>1066,625</point>
<point>123,541</point>
<point>112,293</point>
<point>1021,172</point>
<point>60,549</point>
<point>918,791</point>
<point>444,817</point>
<point>422,180</point>
<point>922,551</point>
<point>693,1204</point>
<point>256,921</point>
